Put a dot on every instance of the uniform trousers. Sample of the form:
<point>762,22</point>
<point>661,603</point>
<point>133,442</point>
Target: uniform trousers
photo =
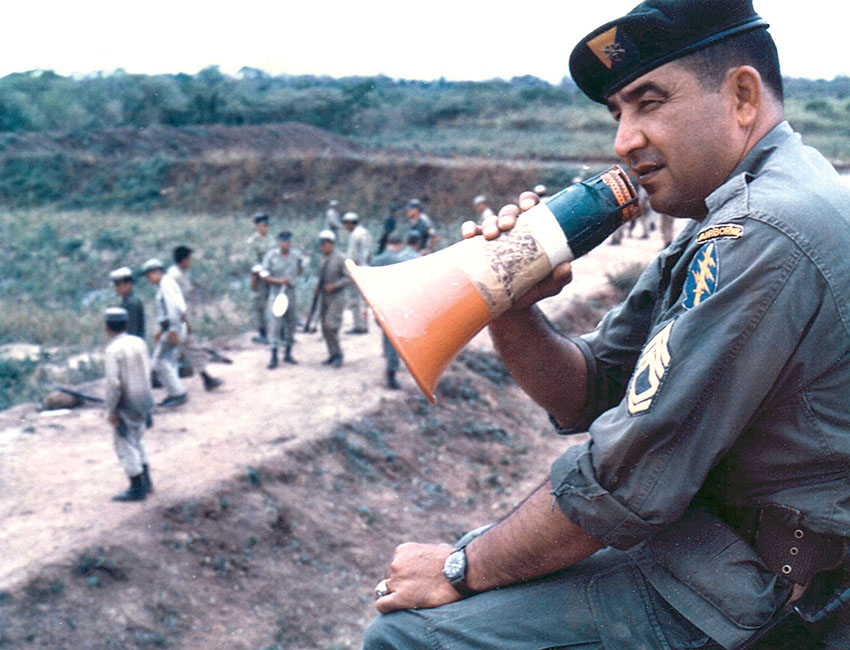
<point>331,310</point>
<point>281,329</point>
<point>390,354</point>
<point>127,440</point>
<point>359,308</point>
<point>261,297</point>
<point>165,363</point>
<point>601,603</point>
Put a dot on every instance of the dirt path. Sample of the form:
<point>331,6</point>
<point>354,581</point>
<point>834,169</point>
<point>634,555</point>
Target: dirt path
<point>58,470</point>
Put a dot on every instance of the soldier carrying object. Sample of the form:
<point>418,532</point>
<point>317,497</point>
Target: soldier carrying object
<point>281,268</point>
<point>170,308</point>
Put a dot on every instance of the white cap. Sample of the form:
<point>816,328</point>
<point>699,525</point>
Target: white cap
<point>327,235</point>
<point>256,268</point>
<point>479,199</point>
<point>540,189</point>
<point>350,216</point>
<point>124,273</point>
<point>151,265</point>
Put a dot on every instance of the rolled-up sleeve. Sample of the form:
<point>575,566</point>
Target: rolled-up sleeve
<point>700,375</point>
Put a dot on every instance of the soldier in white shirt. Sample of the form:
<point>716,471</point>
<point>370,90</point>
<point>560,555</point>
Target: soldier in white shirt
<point>170,309</point>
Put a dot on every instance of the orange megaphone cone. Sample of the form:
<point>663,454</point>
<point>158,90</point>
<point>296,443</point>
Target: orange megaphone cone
<point>431,307</point>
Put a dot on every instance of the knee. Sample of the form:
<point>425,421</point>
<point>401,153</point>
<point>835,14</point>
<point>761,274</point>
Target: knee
<point>396,631</point>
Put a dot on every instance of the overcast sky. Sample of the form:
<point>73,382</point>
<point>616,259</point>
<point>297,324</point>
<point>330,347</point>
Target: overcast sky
<point>424,39</point>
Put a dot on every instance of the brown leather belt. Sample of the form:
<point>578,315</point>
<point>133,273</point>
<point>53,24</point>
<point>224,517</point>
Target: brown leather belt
<point>787,548</point>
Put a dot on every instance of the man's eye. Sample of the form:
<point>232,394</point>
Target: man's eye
<point>649,104</point>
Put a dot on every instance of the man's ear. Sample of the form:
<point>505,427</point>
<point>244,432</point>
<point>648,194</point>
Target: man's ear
<point>746,85</point>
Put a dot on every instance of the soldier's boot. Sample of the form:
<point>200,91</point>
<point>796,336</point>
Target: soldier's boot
<point>273,360</point>
<point>392,382</point>
<point>146,479</point>
<point>287,355</point>
<point>210,383</point>
<point>136,491</point>
<point>261,336</point>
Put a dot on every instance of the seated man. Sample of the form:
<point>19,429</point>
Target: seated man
<point>714,482</point>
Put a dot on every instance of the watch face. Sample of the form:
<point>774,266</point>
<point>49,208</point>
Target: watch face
<point>455,565</point>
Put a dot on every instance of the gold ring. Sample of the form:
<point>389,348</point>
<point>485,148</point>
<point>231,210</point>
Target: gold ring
<point>381,589</point>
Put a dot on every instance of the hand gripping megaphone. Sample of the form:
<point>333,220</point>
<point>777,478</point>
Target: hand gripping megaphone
<point>431,307</point>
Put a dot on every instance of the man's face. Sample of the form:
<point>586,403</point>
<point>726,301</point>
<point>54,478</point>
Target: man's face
<point>326,246</point>
<point>348,225</point>
<point>284,245</point>
<point>123,287</point>
<point>262,228</point>
<point>154,276</point>
<point>413,215</point>
<point>677,136</point>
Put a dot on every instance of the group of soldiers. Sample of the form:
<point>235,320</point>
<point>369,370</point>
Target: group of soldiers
<point>131,372</point>
<point>275,266</point>
<point>275,270</point>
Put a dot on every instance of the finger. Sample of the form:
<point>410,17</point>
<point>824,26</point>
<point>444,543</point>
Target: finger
<point>469,229</point>
<point>528,200</point>
<point>390,603</point>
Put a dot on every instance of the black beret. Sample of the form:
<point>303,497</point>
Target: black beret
<point>652,34</point>
<point>260,217</point>
<point>284,235</point>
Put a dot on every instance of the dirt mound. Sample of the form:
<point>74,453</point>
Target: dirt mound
<point>179,142</point>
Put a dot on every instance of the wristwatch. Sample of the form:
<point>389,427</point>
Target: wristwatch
<point>455,571</point>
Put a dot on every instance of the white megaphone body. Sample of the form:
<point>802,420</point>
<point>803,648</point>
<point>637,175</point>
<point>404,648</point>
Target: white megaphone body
<point>431,307</point>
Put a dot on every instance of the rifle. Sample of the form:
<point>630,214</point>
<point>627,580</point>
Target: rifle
<point>315,304</point>
<point>78,394</point>
<point>215,355</point>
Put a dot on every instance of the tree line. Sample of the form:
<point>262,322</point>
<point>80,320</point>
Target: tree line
<point>46,101</point>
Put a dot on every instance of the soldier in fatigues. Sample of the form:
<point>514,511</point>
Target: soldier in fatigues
<point>360,252</point>
<point>332,220</point>
<point>122,280</point>
<point>258,245</point>
<point>333,278</point>
<point>170,308</point>
<point>129,401</point>
<point>195,357</point>
<point>393,255</point>
<point>281,268</point>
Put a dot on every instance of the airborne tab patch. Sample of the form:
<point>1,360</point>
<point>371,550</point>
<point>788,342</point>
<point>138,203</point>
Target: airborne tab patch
<point>649,372</point>
<point>727,230</point>
<point>702,276</point>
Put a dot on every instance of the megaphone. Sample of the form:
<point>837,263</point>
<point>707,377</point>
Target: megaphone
<point>431,307</point>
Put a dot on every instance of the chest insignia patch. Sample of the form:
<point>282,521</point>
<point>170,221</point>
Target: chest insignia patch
<point>649,372</point>
<point>725,230</point>
<point>702,276</point>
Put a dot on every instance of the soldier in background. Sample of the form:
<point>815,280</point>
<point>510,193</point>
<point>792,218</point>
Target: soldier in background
<point>193,355</point>
<point>360,252</point>
<point>332,219</point>
<point>281,268</point>
<point>128,401</point>
<point>479,203</point>
<point>258,245</point>
<point>390,223</point>
<point>333,278</point>
<point>122,280</point>
<point>394,254</point>
<point>421,223</point>
<point>170,308</point>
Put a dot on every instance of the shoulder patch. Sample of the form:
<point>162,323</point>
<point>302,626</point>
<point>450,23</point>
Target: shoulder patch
<point>726,230</point>
<point>701,282</point>
<point>649,372</point>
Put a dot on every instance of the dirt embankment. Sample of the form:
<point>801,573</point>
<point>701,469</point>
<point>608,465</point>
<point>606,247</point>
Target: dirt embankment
<point>284,168</point>
<point>279,497</point>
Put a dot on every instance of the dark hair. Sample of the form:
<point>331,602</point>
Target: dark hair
<point>181,253</point>
<point>754,48</point>
<point>116,326</point>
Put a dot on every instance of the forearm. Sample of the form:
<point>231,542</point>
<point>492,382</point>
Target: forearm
<point>535,540</point>
<point>547,366</point>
